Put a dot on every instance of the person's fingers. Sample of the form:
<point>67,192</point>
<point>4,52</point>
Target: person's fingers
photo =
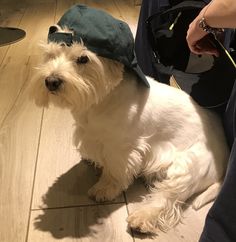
<point>195,49</point>
<point>212,52</point>
<point>199,50</point>
<point>199,43</point>
<point>194,35</point>
<point>206,46</point>
<point>193,45</point>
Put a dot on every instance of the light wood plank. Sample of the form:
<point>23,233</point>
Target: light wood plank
<point>20,128</point>
<point>10,16</point>
<point>26,2</point>
<point>188,230</point>
<point>11,83</point>
<point>15,65</point>
<point>59,156</point>
<point>105,5</point>
<point>128,13</point>
<point>15,68</point>
<point>137,2</point>
<point>61,180</point>
<point>93,223</point>
<point>36,21</point>
<point>63,6</point>
<point>19,136</point>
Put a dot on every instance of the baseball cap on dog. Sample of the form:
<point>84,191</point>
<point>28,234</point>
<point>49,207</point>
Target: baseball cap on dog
<point>101,33</point>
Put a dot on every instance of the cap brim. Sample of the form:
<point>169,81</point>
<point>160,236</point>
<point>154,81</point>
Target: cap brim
<point>61,37</point>
<point>140,75</point>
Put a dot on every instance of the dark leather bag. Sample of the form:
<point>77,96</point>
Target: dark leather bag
<point>211,80</point>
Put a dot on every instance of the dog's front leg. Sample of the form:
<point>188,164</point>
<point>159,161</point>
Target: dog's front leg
<point>115,178</point>
<point>106,189</point>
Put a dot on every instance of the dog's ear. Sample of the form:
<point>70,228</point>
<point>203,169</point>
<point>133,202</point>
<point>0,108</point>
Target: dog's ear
<point>53,29</point>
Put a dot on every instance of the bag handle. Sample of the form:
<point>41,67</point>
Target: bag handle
<point>175,2</point>
<point>179,7</point>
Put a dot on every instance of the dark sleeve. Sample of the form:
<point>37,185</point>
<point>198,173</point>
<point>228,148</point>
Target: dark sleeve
<point>142,48</point>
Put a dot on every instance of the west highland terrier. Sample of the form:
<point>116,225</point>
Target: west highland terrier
<point>128,124</point>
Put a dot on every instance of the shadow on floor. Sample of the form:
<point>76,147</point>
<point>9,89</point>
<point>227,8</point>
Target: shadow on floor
<point>68,212</point>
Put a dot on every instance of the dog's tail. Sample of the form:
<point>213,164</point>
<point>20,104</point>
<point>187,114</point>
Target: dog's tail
<point>207,196</point>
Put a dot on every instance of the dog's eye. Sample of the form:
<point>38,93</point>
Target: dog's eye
<point>82,59</point>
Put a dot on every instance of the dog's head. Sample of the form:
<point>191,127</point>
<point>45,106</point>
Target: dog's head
<point>85,57</point>
<point>75,75</point>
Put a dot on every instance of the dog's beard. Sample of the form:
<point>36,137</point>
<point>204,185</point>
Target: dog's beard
<point>67,95</point>
<point>82,86</point>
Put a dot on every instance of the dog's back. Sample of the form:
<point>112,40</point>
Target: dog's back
<point>187,153</point>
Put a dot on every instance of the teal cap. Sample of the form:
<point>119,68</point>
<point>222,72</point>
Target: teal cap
<point>101,33</point>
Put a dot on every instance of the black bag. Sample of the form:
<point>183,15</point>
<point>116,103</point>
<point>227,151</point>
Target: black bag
<point>207,79</point>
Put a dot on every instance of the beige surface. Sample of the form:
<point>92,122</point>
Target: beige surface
<point>10,16</point>
<point>187,231</point>
<point>103,223</point>
<point>69,179</point>
<point>19,135</point>
<point>43,186</point>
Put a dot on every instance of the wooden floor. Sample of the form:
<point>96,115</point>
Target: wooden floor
<point>43,184</point>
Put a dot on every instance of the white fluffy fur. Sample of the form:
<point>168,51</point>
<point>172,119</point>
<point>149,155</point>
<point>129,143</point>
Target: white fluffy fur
<point>129,130</point>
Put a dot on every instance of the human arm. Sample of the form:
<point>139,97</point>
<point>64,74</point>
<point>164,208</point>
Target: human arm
<point>217,14</point>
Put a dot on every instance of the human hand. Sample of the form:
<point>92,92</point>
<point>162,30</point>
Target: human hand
<point>199,41</point>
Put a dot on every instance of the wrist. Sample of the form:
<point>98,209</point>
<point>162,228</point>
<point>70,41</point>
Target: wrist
<point>203,19</point>
<point>198,31</point>
<point>202,23</point>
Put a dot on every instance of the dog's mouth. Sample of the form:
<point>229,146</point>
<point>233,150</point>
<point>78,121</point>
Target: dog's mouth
<point>53,93</point>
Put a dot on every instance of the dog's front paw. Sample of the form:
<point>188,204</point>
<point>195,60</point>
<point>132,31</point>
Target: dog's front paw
<point>142,221</point>
<point>104,192</point>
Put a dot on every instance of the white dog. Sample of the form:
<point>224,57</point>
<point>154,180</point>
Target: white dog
<point>129,130</point>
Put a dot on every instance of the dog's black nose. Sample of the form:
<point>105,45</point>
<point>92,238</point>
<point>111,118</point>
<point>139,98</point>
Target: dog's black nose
<point>53,83</point>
